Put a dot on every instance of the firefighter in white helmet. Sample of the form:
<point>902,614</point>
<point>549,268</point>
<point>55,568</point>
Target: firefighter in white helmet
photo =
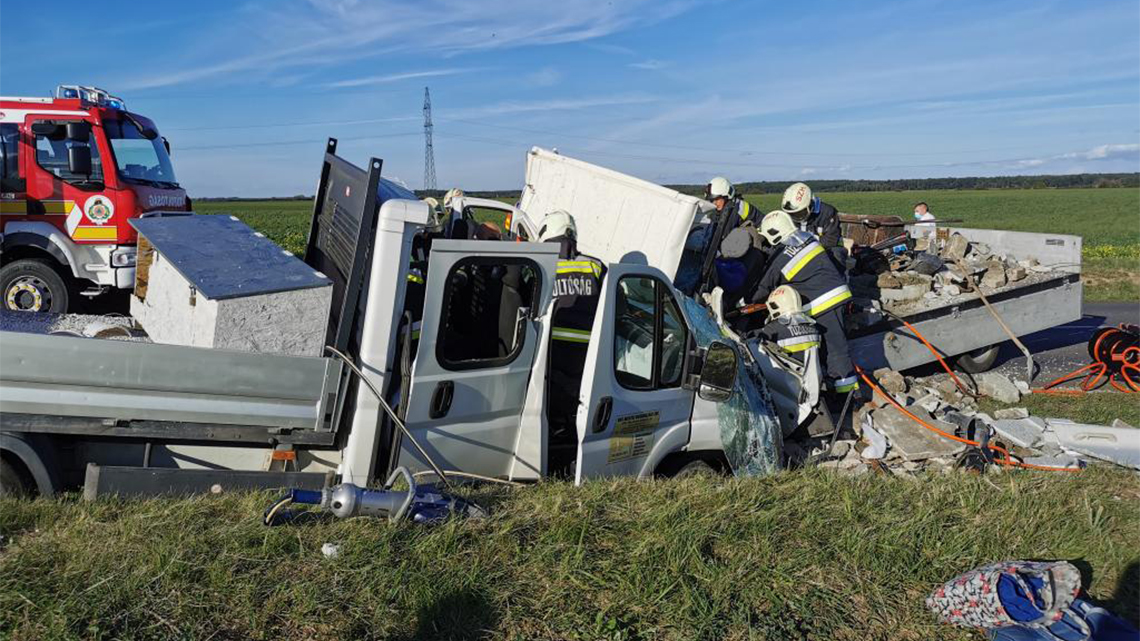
<point>788,326</point>
<point>577,287</point>
<point>813,215</point>
<point>730,214</point>
<point>799,260</point>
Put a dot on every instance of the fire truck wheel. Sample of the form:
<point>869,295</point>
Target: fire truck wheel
<point>33,285</point>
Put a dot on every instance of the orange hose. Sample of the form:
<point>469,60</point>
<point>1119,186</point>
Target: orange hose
<point>1006,459</point>
<point>1100,373</point>
<point>946,367</point>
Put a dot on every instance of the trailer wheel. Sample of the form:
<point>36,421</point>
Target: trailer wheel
<point>13,484</point>
<point>33,285</point>
<point>979,360</point>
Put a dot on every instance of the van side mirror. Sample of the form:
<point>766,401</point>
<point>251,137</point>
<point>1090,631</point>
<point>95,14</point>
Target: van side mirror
<point>718,373</point>
<point>79,131</point>
<point>79,160</point>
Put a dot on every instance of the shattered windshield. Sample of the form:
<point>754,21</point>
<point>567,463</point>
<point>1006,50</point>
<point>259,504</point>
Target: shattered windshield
<point>139,159</point>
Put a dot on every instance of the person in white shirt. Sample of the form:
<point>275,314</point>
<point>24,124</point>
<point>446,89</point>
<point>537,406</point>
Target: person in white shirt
<point>923,218</point>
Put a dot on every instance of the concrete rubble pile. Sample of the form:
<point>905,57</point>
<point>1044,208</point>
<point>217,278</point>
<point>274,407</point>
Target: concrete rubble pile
<point>881,436</point>
<point>932,276</point>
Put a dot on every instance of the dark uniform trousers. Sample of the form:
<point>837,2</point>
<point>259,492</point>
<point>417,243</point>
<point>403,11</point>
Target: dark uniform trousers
<point>577,287</point>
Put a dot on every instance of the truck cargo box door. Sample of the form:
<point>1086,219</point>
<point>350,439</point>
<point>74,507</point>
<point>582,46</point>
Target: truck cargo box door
<point>478,340</point>
<point>633,410</point>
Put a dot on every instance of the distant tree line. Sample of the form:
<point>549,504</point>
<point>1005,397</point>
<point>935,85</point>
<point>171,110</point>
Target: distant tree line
<point>1066,181</point>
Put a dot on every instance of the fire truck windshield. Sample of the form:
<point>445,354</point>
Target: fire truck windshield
<point>139,159</point>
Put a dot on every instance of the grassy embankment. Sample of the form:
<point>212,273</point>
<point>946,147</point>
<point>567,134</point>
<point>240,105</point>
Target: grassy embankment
<point>801,555</point>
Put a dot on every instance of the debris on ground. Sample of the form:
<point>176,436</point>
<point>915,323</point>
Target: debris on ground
<point>883,438</point>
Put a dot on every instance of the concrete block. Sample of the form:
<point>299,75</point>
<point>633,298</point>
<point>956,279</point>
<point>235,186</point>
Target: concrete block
<point>1024,432</point>
<point>998,387</point>
<point>956,247</point>
<point>1011,413</point>
<point>275,319</point>
<point>911,440</point>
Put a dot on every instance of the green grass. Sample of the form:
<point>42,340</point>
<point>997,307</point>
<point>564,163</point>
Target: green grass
<point>1100,408</point>
<point>800,555</point>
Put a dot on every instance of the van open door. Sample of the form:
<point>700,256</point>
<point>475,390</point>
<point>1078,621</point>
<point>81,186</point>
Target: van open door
<point>478,340</point>
<point>633,408</point>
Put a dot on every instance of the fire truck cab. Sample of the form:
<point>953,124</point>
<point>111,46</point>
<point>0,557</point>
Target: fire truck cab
<point>73,170</point>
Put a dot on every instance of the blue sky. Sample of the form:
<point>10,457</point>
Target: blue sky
<point>669,90</point>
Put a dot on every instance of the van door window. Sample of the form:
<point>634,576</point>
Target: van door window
<point>51,154</point>
<point>10,158</point>
<point>650,339</point>
<point>484,304</point>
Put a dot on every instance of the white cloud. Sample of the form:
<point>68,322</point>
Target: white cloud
<point>396,77</point>
<point>327,32</point>
<point>1101,152</point>
<point>517,106</point>
<point>649,65</point>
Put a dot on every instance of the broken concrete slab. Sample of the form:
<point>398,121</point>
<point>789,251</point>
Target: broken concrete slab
<point>956,247</point>
<point>995,275</point>
<point>888,280</point>
<point>1023,432</point>
<point>1011,413</point>
<point>1120,445</point>
<point>1021,386</point>
<point>903,294</point>
<point>1063,460</point>
<point>1119,423</point>
<point>998,387</point>
<point>911,440</point>
<point>1015,274</point>
<point>891,381</point>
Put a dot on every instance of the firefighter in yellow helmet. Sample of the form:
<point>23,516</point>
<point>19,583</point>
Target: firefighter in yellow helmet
<point>813,215</point>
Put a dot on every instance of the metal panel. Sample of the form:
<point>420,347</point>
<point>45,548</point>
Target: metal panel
<point>1060,250</point>
<point>102,481</point>
<point>159,430</point>
<point>224,258</point>
<point>1024,314</point>
<point>68,360</point>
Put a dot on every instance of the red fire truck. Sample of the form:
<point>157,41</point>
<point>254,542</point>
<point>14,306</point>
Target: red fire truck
<point>73,170</point>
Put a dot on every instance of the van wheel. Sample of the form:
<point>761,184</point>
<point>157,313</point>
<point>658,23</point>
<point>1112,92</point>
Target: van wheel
<point>13,484</point>
<point>696,468</point>
<point>979,360</point>
<point>33,285</point>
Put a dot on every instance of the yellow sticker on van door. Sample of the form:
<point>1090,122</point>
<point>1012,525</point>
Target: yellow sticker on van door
<point>633,435</point>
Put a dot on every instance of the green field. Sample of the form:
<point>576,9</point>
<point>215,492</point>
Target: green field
<point>799,555</point>
<point>1108,219</point>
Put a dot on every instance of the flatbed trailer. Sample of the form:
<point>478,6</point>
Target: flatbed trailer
<point>963,327</point>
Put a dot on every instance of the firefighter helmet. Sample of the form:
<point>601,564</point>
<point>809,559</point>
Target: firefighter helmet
<point>557,224</point>
<point>719,187</point>
<point>797,199</point>
<point>776,227</point>
<point>783,302</point>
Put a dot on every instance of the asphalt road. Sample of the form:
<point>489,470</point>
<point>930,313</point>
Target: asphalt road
<point>1062,349</point>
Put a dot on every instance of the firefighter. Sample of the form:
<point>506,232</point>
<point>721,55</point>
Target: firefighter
<point>732,212</point>
<point>813,215</point>
<point>798,259</point>
<point>722,194</point>
<point>788,326</point>
<point>577,287</point>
